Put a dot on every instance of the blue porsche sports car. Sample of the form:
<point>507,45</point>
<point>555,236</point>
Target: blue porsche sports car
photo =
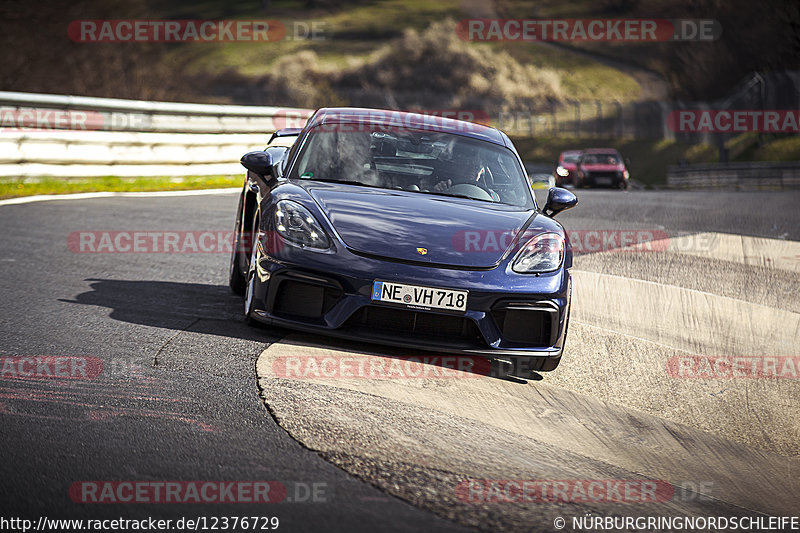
<point>403,229</point>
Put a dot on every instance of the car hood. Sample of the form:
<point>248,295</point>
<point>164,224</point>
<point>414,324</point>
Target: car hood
<point>408,226</point>
<point>569,166</point>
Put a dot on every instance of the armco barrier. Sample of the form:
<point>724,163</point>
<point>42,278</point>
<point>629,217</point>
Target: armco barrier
<point>741,176</point>
<point>63,153</point>
<point>113,114</point>
<point>76,136</point>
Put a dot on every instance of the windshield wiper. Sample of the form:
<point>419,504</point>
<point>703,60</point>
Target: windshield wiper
<point>348,182</point>
<point>451,195</point>
<point>355,182</point>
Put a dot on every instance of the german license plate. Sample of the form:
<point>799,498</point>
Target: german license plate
<point>419,297</point>
<point>603,181</point>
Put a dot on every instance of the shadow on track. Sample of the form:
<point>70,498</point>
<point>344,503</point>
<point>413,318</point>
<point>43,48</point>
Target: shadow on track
<point>211,309</point>
<point>214,310</point>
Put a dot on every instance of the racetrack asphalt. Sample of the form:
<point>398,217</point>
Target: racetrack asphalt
<point>179,398</point>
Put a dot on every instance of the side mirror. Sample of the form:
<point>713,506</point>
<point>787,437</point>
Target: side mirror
<point>627,161</point>
<point>558,200</point>
<point>259,162</point>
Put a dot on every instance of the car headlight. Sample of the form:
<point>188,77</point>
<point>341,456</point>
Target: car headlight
<point>561,171</point>
<point>626,174</point>
<point>543,253</point>
<point>297,225</point>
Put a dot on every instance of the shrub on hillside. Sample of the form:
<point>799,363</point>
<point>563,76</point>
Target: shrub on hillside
<point>432,69</point>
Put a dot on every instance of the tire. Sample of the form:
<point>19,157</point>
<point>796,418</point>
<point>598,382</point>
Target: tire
<point>250,277</point>
<point>236,279</point>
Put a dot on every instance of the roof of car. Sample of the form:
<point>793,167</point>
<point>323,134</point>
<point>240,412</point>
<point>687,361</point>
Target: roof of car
<point>406,119</point>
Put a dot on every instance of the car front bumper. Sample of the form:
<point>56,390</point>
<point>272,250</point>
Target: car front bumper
<point>507,314</point>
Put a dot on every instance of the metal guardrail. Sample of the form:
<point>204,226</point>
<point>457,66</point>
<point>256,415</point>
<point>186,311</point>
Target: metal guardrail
<point>78,136</point>
<point>737,176</point>
<point>98,153</point>
<point>113,114</point>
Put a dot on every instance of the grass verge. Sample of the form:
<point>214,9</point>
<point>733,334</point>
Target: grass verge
<point>31,186</point>
<point>782,148</point>
<point>352,37</point>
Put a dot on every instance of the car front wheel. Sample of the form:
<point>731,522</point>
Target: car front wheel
<point>236,279</point>
<point>249,293</point>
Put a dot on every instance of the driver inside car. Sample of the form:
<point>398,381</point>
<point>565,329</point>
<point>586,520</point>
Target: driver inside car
<point>462,164</point>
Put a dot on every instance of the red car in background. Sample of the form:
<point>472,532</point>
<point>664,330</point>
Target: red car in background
<point>567,167</point>
<point>602,167</point>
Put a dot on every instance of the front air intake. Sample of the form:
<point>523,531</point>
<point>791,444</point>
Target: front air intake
<point>529,323</point>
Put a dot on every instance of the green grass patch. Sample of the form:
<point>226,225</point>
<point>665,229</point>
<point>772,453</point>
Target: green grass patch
<point>46,185</point>
<point>581,77</point>
<point>351,32</point>
<point>649,158</point>
<point>550,8</point>
<point>355,31</point>
<point>780,149</point>
<point>742,146</point>
<point>387,18</point>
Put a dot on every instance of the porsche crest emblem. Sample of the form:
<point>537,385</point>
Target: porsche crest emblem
<point>422,251</point>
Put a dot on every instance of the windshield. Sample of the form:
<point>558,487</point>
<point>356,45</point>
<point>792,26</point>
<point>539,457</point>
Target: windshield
<point>571,157</point>
<point>425,162</point>
<point>601,159</point>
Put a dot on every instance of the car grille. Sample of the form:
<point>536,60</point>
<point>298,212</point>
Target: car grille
<point>407,324</point>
